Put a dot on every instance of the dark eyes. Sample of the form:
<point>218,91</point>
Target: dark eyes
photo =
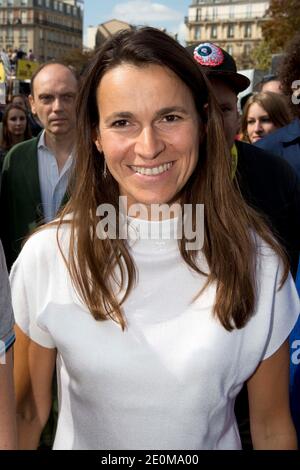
<point>171,118</point>
<point>120,123</point>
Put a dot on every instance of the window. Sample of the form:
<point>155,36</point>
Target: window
<point>23,34</point>
<point>213,31</point>
<point>9,34</point>
<point>215,13</point>
<point>198,32</point>
<point>24,17</point>
<point>10,17</point>
<point>48,4</point>
<point>40,3</point>
<point>10,3</point>
<point>61,7</point>
<point>24,3</point>
<point>198,14</point>
<point>249,11</point>
<point>231,11</point>
<point>248,31</point>
<point>68,9</point>
<point>229,49</point>
<point>247,49</point>
<point>230,31</point>
<point>55,5</point>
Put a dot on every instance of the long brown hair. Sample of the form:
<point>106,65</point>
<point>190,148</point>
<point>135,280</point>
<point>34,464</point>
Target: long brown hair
<point>7,139</point>
<point>274,104</point>
<point>230,247</point>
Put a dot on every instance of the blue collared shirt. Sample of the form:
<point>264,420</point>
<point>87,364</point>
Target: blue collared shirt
<point>52,183</point>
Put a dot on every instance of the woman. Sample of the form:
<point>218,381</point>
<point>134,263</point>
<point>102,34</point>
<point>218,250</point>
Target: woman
<point>22,100</point>
<point>152,336</point>
<point>7,337</point>
<point>15,129</point>
<point>263,114</point>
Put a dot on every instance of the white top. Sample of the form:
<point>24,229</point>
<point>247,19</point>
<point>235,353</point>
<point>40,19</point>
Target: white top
<point>168,381</point>
<point>53,183</point>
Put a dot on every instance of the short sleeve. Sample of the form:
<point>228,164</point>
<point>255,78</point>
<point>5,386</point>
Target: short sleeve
<point>285,313</point>
<point>7,336</point>
<point>28,289</point>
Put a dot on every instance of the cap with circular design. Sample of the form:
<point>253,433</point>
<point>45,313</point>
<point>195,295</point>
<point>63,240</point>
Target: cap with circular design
<point>215,61</point>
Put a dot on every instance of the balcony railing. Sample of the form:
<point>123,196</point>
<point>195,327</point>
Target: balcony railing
<point>33,22</point>
<point>254,15</point>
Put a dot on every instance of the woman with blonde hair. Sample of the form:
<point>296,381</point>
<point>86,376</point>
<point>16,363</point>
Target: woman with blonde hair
<point>263,114</point>
<point>155,311</point>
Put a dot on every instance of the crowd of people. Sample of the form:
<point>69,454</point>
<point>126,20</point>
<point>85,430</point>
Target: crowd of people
<point>153,323</point>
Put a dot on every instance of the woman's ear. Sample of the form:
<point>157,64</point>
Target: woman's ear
<point>97,140</point>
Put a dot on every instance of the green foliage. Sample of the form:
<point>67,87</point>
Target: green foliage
<point>262,56</point>
<point>77,58</point>
<point>283,24</point>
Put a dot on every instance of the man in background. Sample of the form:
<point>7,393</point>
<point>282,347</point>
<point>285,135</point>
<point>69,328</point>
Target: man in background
<point>36,172</point>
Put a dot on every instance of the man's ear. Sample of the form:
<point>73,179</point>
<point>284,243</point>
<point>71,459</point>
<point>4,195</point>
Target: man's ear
<point>32,105</point>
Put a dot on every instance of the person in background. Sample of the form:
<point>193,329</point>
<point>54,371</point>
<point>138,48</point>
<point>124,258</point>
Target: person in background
<point>259,174</point>
<point>8,434</point>
<point>15,129</point>
<point>36,173</point>
<point>22,100</point>
<point>153,337</point>
<point>267,183</point>
<point>271,83</point>
<point>285,142</point>
<point>263,114</point>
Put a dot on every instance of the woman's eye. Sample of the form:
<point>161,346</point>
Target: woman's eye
<point>120,123</point>
<point>171,118</point>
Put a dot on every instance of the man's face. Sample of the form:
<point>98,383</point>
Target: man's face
<point>53,99</point>
<point>227,100</point>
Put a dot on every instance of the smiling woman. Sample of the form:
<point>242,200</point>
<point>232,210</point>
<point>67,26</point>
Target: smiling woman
<point>153,339</point>
<point>149,134</point>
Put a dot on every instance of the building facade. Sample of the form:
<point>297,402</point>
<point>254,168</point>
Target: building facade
<point>108,29</point>
<point>49,28</point>
<point>235,25</point>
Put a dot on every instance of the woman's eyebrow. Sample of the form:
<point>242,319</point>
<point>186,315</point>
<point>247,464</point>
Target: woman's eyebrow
<point>119,115</point>
<point>170,110</point>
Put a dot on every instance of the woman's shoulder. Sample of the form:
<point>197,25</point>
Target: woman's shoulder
<point>46,242</point>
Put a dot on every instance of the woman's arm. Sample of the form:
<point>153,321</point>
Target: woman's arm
<point>268,389</point>
<point>8,433</point>
<point>33,372</point>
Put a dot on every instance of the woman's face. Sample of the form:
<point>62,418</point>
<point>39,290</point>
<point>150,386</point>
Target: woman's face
<point>16,122</point>
<point>258,123</point>
<point>149,132</point>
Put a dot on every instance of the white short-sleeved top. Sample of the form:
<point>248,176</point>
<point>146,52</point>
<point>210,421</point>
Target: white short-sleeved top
<point>169,381</point>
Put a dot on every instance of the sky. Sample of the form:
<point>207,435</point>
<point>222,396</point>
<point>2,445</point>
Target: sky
<point>167,14</point>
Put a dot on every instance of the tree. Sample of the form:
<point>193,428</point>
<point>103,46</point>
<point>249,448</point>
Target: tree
<point>262,56</point>
<point>78,58</point>
<point>283,24</point>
